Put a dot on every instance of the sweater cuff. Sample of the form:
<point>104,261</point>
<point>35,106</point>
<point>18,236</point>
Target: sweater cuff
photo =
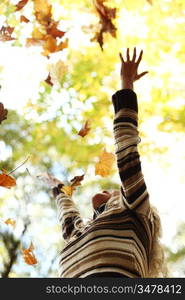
<point>57,190</point>
<point>125,98</point>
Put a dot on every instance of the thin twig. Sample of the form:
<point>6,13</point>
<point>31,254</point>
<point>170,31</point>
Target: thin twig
<point>19,165</point>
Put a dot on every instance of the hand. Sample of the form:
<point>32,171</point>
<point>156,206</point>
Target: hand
<point>129,69</point>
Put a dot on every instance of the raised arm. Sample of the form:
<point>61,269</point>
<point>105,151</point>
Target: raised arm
<point>133,188</point>
<point>69,216</point>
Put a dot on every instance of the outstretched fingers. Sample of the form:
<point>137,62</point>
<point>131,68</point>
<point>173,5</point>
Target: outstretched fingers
<point>140,57</point>
<point>134,55</point>
<point>121,57</point>
<point>128,55</point>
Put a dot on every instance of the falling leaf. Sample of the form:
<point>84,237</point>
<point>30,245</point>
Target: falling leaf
<point>24,19</point>
<point>57,71</point>
<point>11,222</point>
<point>42,11</point>
<point>85,129</point>
<point>29,256</point>
<point>106,14</point>
<point>50,45</point>
<point>7,181</point>
<point>54,31</point>
<point>21,4</point>
<point>150,1</point>
<point>105,164</point>
<point>3,113</point>
<point>5,33</point>
<point>48,80</point>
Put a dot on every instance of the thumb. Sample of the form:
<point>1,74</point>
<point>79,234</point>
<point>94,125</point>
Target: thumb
<point>141,75</point>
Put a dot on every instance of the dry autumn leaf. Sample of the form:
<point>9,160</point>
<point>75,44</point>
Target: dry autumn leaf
<point>150,2</point>
<point>85,129</point>
<point>11,222</point>
<point>24,19</point>
<point>29,256</point>
<point>5,33</point>
<point>21,4</point>
<point>106,14</point>
<point>7,181</point>
<point>57,71</point>
<point>105,164</point>
<point>3,113</point>
<point>48,80</point>
<point>69,189</point>
<point>54,31</point>
<point>43,12</point>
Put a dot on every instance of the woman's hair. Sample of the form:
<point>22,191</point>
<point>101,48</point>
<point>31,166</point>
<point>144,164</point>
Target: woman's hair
<point>157,263</point>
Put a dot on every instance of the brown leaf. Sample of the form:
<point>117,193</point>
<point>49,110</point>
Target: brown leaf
<point>21,4</point>
<point>54,31</point>
<point>150,1</point>
<point>85,129</point>
<point>5,33</point>
<point>106,14</point>
<point>24,19</point>
<point>76,181</point>
<point>3,113</point>
<point>48,80</point>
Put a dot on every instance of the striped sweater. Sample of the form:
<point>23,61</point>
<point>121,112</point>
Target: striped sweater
<point>120,238</point>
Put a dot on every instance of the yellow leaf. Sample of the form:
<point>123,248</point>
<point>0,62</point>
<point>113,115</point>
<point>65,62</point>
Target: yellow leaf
<point>68,190</point>
<point>105,164</point>
<point>11,222</point>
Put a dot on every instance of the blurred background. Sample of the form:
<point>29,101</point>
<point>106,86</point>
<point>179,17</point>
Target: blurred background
<point>52,85</point>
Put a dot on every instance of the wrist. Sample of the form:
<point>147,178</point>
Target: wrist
<point>127,84</point>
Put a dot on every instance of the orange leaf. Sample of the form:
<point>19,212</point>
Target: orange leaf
<point>24,19</point>
<point>3,113</point>
<point>54,31</point>
<point>11,222</point>
<point>50,45</point>
<point>29,256</point>
<point>85,129</point>
<point>21,4</point>
<point>7,181</point>
<point>105,164</point>
<point>5,33</point>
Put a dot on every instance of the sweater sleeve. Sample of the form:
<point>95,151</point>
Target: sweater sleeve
<point>69,216</point>
<point>133,187</point>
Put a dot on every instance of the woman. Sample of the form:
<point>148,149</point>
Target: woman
<point>122,239</point>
